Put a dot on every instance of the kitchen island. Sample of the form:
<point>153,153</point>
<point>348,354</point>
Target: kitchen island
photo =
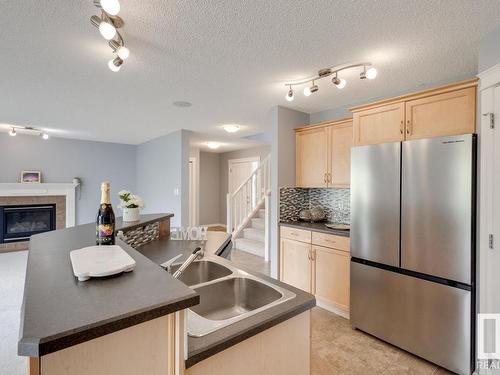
<point>137,322</point>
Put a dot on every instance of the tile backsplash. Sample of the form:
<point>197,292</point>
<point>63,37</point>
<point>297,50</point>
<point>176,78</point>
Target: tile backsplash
<point>335,202</point>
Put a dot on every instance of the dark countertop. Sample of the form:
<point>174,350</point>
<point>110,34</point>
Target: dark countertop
<point>58,311</point>
<point>315,227</point>
<point>200,348</point>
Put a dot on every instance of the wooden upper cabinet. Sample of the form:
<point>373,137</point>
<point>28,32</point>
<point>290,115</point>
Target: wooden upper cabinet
<point>448,110</point>
<point>340,143</point>
<point>311,157</point>
<point>450,113</point>
<point>324,154</point>
<point>379,125</point>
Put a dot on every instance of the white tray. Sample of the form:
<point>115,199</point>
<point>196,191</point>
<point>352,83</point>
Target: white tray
<point>99,261</point>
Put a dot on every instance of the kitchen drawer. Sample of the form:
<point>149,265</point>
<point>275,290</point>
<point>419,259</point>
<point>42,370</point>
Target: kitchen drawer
<point>296,234</point>
<point>331,241</point>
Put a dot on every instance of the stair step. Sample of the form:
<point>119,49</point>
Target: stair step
<point>250,246</point>
<point>254,234</point>
<point>258,223</point>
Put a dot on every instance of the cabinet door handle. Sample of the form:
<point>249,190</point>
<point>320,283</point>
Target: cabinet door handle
<point>313,254</point>
<point>309,254</point>
<point>401,127</point>
<point>408,127</point>
<point>325,178</point>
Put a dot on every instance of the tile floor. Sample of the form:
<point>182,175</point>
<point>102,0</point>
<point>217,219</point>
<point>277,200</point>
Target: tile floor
<point>337,349</point>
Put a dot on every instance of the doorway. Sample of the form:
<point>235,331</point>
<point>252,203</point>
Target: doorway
<point>240,170</point>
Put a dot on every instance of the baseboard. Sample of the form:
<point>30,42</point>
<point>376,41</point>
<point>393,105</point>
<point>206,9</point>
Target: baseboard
<point>332,307</point>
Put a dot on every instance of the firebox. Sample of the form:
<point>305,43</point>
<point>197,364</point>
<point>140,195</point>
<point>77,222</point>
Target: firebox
<point>18,223</point>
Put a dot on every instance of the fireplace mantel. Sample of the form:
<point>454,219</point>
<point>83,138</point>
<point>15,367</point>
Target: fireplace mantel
<point>45,189</point>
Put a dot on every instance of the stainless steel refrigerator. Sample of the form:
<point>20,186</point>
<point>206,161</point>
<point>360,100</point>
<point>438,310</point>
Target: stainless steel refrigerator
<point>413,246</point>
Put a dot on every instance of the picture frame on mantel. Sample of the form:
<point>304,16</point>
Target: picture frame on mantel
<point>31,177</point>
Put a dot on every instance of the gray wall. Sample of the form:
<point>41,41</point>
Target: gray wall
<point>283,121</point>
<point>489,50</point>
<point>162,175</point>
<point>61,159</point>
<point>210,183</point>
<point>261,151</point>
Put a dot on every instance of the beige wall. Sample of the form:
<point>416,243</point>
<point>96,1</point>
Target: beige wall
<point>261,151</point>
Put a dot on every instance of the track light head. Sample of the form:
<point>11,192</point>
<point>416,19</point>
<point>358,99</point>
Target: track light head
<point>112,7</point>
<point>339,82</point>
<point>371,73</point>
<point>289,95</point>
<point>368,73</point>
<point>12,132</point>
<point>44,136</point>
<point>115,64</point>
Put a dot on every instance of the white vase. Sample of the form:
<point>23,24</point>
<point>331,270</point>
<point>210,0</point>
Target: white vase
<point>131,214</point>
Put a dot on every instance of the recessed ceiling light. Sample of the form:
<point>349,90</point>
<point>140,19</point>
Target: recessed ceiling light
<point>182,104</point>
<point>213,145</point>
<point>231,128</point>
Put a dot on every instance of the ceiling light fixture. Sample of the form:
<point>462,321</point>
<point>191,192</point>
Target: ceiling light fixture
<point>231,128</point>
<point>28,130</point>
<point>182,104</point>
<point>108,23</point>
<point>340,83</point>
<point>213,145</point>
<point>289,95</point>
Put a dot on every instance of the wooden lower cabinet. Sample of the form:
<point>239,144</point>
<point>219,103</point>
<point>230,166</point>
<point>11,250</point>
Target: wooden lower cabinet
<point>331,278</point>
<point>320,270</point>
<point>296,264</point>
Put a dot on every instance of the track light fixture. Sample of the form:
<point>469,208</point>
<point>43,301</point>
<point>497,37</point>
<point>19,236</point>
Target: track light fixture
<point>340,83</point>
<point>108,23</point>
<point>28,130</point>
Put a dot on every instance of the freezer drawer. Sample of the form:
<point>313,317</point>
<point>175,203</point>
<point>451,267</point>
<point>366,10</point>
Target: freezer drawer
<point>437,206</point>
<point>428,319</point>
<point>375,202</point>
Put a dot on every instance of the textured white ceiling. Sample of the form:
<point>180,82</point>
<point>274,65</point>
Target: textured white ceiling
<point>229,58</point>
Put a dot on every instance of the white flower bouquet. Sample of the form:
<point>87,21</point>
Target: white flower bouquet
<point>131,204</point>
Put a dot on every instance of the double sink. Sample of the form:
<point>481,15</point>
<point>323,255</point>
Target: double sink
<point>227,295</point>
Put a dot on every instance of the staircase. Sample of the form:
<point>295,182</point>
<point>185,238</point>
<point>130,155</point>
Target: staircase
<point>248,212</point>
<point>253,238</point>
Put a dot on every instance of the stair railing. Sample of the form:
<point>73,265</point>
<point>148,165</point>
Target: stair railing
<point>248,198</point>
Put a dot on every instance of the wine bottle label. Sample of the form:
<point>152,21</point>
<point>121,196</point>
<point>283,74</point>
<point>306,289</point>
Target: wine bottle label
<point>105,233</point>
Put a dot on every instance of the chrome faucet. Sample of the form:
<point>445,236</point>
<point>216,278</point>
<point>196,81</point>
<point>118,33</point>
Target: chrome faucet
<point>196,254</point>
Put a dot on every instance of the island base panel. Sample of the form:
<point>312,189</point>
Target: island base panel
<point>284,349</point>
<point>146,348</point>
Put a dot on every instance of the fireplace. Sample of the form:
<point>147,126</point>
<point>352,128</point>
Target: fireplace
<point>19,222</point>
